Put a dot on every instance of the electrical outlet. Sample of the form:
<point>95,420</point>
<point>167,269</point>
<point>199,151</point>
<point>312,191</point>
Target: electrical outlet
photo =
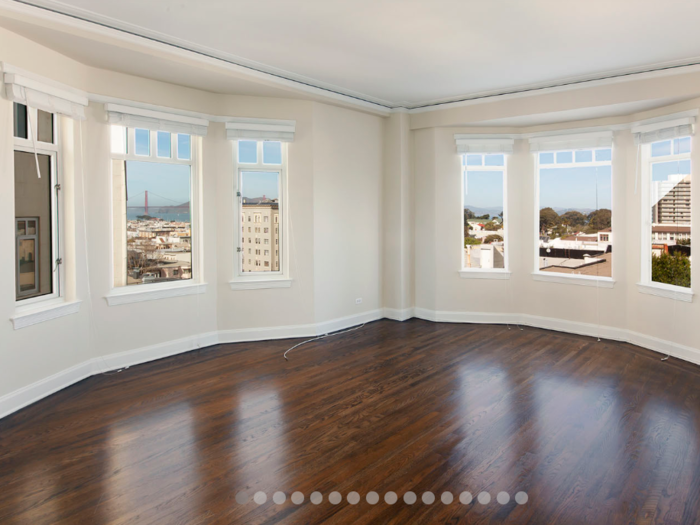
<point>358,300</point>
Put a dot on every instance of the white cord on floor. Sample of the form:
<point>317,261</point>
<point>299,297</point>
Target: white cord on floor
<point>321,337</point>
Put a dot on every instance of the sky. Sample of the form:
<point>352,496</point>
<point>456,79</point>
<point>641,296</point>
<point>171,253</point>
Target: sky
<point>576,188</point>
<point>257,183</point>
<point>484,189</point>
<point>167,184</point>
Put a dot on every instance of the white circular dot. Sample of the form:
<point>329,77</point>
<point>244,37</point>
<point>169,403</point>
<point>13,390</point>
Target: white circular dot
<point>484,498</point>
<point>447,498</point>
<point>242,498</point>
<point>335,498</point>
<point>316,498</point>
<point>465,498</point>
<point>372,498</point>
<point>428,498</point>
<point>521,498</point>
<point>503,498</point>
<point>297,498</point>
<point>279,497</point>
<point>353,498</point>
<point>260,497</point>
<point>409,497</point>
<point>391,498</point>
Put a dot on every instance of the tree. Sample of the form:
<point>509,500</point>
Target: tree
<point>671,269</point>
<point>548,219</point>
<point>492,238</point>
<point>485,217</point>
<point>560,231</point>
<point>574,218</point>
<point>492,226</point>
<point>599,220</point>
<point>471,241</point>
<point>468,214</point>
<point>683,242</point>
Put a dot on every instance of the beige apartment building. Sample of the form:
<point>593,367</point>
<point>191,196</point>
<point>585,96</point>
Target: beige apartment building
<point>672,200</point>
<point>260,234</point>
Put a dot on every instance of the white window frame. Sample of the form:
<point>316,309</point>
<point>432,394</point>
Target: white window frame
<point>487,273</point>
<point>645,284</point>
<point>150,291</point>
<point>566,278</point>
<point>51,150</point>
<point>258,280</point>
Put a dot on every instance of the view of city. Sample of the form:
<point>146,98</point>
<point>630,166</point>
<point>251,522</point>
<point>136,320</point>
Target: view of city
<point>260,222</point>
<point>484,233</point>
<point>670,194</point>
<point>158,222</point>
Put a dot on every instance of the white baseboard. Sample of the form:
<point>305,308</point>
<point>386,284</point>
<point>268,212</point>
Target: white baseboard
<point>29,394</point>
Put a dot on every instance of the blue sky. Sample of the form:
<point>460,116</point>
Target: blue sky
<point>257,183</point>
<point>484,189</point>
<point>167,184</point>
<point>575,188</point>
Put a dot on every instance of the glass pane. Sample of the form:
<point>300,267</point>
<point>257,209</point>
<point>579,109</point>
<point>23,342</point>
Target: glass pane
<point>44,127</point>
<point>474,160</point>
<point>247,152</point>
<point>31,227</point>
<point>20,120</point>
<point>184,147</point>
<point>26,267</point>
<point>603,154</point>
<point>483,220</point>
<point>119,140</point>
<point>33,204</point>
<point>163,138</point>
<point>272,152</point>
<point>565,157</point>
<point>158,232</point>
<point>584,156</point>
<point>143,142</point>
<point>575,220</point>
<point>661,149</point>
<point>671,221</point>
<point>681,145</point>
<point>495,160</point>
<point>21,227</point>
<point>546,158</point>
<point>260,202</point>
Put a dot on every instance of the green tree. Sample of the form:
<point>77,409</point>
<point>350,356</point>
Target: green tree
<point>574,218</point>
<point>671,269</point>
<point>468,214</point>
<point>492,226</point>
<point>471,241</point>
<point>560,231</point>
<point>485,217</point>
<point>683,242</point>
<point>548,219</point>
<point>492,238</point>
<point>599,220</point>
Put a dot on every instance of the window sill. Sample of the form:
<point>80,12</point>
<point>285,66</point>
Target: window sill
<point>667,291</point>
<point>580,280</point>
<point>484,274</point>
<point>260,284</point>
<point>152,292</point>
<point>40,312</point>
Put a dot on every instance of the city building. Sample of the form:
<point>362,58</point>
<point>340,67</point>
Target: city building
<point>672,200</point>
<point>260,235</point>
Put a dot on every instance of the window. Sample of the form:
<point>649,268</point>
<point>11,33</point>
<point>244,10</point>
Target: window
<point>37,200</point>
<point>575,212</point>
<point>484,213</point>
<point>666,193</point>
<point>260,183</point>
<point>153,190</point>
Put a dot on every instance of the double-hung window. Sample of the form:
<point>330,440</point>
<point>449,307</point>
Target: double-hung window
<point>666,207</point>
<point>484,211</point>
<point>574,229</point>
<point>38,270</point>
<point>154,212</point>
<point>260,183</point>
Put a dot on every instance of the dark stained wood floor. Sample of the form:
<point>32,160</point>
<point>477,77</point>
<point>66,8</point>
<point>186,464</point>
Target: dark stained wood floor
<point>593,432</point>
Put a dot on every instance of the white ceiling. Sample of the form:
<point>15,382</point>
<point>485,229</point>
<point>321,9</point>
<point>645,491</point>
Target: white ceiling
<point>415,52</point>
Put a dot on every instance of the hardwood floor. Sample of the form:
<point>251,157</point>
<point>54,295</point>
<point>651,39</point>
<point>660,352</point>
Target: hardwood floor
<point>593,432</point>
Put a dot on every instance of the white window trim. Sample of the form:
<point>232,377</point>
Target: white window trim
<point>260,280</point>
<point>487,273</point>
<point>38,313</point>
<point>153,291</point>
<point>645,284</point>
<point>568,278</point>
<point>57,212</point>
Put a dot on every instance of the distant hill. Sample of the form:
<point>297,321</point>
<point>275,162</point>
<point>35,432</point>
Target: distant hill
<point>478,211</point>
<point>585,211</point>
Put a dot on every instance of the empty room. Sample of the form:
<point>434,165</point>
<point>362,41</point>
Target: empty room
<point>349,262</point>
